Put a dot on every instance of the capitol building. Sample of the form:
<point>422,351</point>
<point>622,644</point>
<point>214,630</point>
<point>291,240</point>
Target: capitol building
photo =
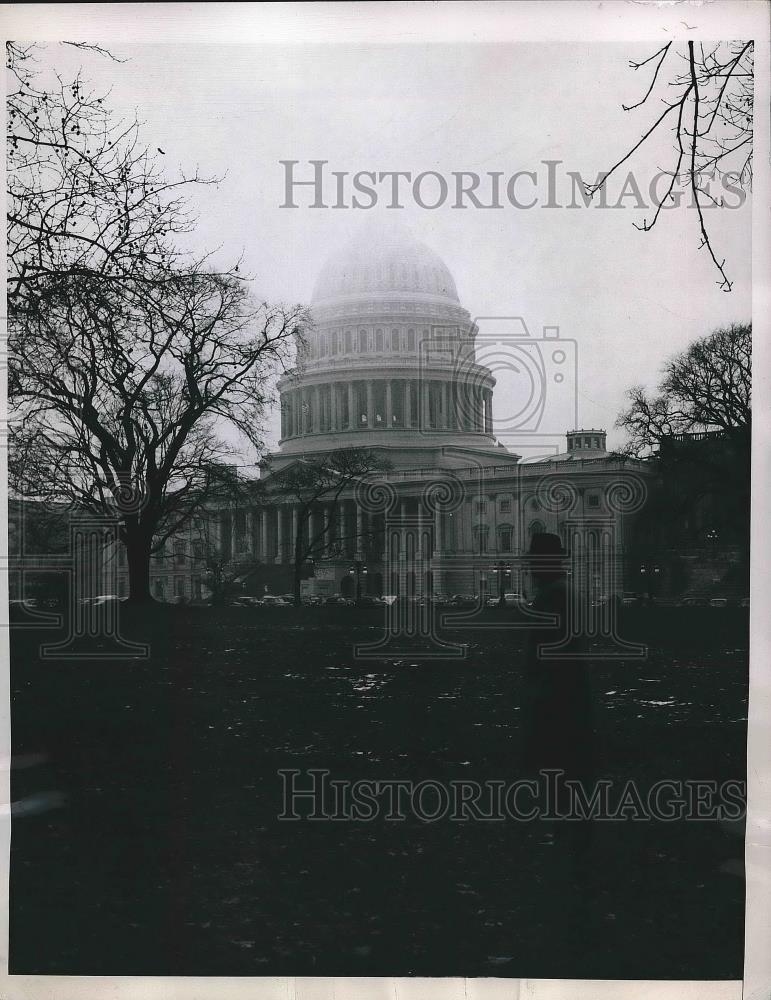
<point>391,365</point>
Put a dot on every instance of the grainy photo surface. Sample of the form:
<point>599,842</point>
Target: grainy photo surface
<point>379,455</point>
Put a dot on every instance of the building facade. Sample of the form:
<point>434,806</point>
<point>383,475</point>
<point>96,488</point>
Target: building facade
<point>390,366</point>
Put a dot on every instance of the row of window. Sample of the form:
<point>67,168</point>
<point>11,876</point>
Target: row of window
<point>584,441</point>
<point>482,538</point>
<point>379,341</point>
<point>505,504</point>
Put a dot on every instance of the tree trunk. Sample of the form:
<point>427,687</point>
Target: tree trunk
<point>138,558</point>
<point>298,566</point>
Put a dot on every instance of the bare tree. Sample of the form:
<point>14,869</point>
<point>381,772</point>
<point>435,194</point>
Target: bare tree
<point>120,397</point>
<point>85,196</point>
<point>312,482</point>
<point>709,108</point>
<point>706,388</point>
<point>127,358</point>
<point>698,427</point>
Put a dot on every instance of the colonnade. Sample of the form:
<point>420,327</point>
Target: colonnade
<point>382,404</point>
<point>345,530</point>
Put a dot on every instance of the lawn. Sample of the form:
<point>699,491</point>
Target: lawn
<point>150,841</point>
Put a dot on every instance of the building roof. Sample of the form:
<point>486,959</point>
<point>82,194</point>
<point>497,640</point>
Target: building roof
<point>384,258</point>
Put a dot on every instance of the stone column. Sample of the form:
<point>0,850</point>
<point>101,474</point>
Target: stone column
<point>358,548</point>
<point>327,539</point>
<point>370,405</point>
<point>407,403</point>
<point>488,411</point>
<point>279,535</point>
<point>233,536</point>
<point>343,528</point>
<point>425,405</point>
<point>388,405</point>
<point>333,400</point>
<point>437,530</point>
<point>353,421</point>
<point>445,406</point>
<point>465,528</point>
<point>250,531</point>
<point>295,528</point>
<point>264,534</point>
<point>316,418</point>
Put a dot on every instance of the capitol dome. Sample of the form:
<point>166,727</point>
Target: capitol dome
<point>389,361</point>
<point>384,258</point>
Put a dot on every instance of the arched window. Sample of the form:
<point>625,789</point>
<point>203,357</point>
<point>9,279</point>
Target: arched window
<point>536,528</point>
<point>505,534</point>
<point>410,340</point>
<point>348,342</point>
<point>362,341</point>
<point>394,340</point>
<point>379,341</point>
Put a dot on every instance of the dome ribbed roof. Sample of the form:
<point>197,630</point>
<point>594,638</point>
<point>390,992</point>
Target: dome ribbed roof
<point>384,258</point>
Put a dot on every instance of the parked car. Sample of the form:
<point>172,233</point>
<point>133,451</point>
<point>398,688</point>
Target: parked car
<point>101,599</point>
<point>338,599</point>
<point>719,602</point>
<point>273,601</point>
<point>463,601</point>
<point>389,598</point>
<point>694,602</point>
<point>246,601</point>
<point>630,600</point>
<point>368,601</point>
<point>512,599</point>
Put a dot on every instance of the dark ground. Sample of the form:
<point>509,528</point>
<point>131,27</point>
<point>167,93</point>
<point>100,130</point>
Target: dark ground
<point>166,856</point>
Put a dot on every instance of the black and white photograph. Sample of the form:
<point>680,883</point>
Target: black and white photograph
<point>383,502</point>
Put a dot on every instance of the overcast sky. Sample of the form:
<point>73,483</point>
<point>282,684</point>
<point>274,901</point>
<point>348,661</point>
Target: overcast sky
<point>627,298</point>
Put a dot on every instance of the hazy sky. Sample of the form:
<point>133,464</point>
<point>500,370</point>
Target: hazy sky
<point>629,299</point>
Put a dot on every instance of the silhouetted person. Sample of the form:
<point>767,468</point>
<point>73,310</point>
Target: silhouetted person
<point>558,725</point>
